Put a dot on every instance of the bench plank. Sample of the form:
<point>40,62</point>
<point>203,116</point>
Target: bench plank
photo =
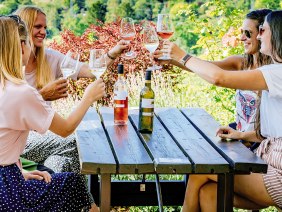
<point>94,150</point>
<point>168,158</point>
<point>206,159</point>
<point>131,155</point>
<point>240,157</point>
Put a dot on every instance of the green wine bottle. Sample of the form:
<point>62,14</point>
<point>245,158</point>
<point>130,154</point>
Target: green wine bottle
<point>146,106</point>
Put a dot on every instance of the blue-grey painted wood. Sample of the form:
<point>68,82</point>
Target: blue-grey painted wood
<point>206,159</point>
<point>95,153</point>
<point>168,158</point>
<point>241,158</point>
<point>130,152</point>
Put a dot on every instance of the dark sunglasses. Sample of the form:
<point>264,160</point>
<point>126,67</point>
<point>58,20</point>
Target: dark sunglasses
<point>261,30</point>
<point>16,18</point>
<point>247,33</point>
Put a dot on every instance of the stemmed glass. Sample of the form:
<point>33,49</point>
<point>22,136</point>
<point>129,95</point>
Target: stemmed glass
<point>127,33</point>
<point>97,62</point>
<point>70,64</point>
<point>151,43</point>
<point>165,31</point>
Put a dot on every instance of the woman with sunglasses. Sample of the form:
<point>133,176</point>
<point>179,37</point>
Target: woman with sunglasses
<point>23,109</point>
<point>252,191</point>
<point>43,72</point>
<point>246,101</point>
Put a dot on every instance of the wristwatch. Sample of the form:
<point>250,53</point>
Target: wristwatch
<point>184,60</point>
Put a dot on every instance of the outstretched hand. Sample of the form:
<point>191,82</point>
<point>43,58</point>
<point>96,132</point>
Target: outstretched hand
<point>228,132</point>
<point>37,175</point>
<point>55,90</point>
<point>118,48</point>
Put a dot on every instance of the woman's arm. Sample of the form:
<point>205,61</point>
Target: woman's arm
<point>65,127</point>
<point>245,80</point>
<point>228,132</point>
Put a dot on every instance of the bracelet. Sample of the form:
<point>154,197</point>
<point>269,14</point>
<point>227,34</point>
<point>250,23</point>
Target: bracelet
<point>185,59</point>
<point>111,57</point>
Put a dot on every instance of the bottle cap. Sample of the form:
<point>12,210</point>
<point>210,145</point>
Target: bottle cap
<point>120,68</point>
<point>148,74</point>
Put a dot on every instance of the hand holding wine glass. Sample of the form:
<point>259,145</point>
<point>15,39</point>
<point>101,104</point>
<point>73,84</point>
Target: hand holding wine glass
<point>151,43</point>
<point>165,30</point>
<point>70,63</point>
<point>127,33</point>
<point>97,62</point>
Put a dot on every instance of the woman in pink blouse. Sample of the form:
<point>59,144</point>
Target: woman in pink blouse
<point>23,109</point>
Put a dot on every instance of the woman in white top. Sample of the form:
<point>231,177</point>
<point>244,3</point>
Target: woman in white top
<point>23,109</point>
<point>43,73</point>
<point>252,191</point>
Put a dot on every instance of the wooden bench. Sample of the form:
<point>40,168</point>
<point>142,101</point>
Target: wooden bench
<point>183,142</point>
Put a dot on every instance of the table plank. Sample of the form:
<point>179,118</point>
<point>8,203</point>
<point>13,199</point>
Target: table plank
<point>240,157</point>
<point>129,150</point>
<point>206,159</point>
<point>94,150</point>
<point>168,158</point>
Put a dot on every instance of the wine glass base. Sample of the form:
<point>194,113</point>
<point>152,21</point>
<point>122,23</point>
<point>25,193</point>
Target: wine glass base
<point>165,58</point>
<point>154,68</point>
<point>130,55</point>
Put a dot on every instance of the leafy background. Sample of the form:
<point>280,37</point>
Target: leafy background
<point>208,29</point>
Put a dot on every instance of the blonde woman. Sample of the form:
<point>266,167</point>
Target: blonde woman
<point>26,111</point>
<point>43,73</point>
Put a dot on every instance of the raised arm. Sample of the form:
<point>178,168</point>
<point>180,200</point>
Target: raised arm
<point>65,127</point>
<point>245,80</point>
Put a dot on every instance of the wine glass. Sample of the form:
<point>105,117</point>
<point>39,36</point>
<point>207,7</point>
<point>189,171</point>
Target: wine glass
<point>165,31</point>
<point>127,33</point>
<point>151,43</point>
<point>97,62</point>
<point>70,64</point>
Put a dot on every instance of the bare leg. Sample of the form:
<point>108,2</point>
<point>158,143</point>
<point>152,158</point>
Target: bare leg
<point>195,182</point>
<point>208,199</point>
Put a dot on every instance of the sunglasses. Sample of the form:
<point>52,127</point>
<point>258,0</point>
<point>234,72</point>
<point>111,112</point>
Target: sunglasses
<point>247,33</point>
<point>16,18</point>
<point>261,30</point>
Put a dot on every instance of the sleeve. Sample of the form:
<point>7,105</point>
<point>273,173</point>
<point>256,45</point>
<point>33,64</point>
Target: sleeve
<point>34,113</point>
<point>55,59</point>
<point>273,78</point>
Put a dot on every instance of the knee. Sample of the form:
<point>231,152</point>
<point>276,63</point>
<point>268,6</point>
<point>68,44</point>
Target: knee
<point>208,193</point>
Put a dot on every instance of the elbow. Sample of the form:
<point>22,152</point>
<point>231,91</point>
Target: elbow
<point>217,80</point>
<point>65,133</point>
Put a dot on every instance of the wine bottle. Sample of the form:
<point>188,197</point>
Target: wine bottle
<point>120,99</point>
<point>146,106</point>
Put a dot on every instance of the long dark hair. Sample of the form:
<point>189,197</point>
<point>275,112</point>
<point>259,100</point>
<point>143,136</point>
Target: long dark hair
<point>259,16</point>
<point>274,20</point>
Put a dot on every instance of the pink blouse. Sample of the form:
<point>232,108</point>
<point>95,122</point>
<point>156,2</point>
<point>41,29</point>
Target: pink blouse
<point>21,109</point>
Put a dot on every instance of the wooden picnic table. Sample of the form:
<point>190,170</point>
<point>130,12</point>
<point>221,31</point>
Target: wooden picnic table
<point>183,142</point>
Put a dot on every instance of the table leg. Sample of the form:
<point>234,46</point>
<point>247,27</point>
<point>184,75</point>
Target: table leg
<point>105,193</point>
<point>220,192</point>
<point>229,191</point>
<point>159,193</point>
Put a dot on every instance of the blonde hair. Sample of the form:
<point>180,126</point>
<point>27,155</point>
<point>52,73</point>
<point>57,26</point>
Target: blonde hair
<point>10,49</point>
<point>43,70</point>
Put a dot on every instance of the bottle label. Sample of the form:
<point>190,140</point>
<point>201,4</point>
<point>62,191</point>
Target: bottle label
<point>147,103</point>
<point>120,95</point>
<point>147,114</point>
<point>119,105</point>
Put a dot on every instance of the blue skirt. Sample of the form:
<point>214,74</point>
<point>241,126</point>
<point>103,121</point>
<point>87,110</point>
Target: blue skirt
<point>65,192</point>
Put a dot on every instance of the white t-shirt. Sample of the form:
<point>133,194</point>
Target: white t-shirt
<point>271,101</point>
<point>54,59</point>
<point>246,107</point>
<point>21,109</point>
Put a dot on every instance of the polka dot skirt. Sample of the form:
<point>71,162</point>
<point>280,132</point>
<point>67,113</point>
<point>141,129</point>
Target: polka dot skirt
<point>65,192</point>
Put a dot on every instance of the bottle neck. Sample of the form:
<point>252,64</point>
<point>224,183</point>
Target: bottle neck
<point>120,76</point>
<point>148,83</point>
